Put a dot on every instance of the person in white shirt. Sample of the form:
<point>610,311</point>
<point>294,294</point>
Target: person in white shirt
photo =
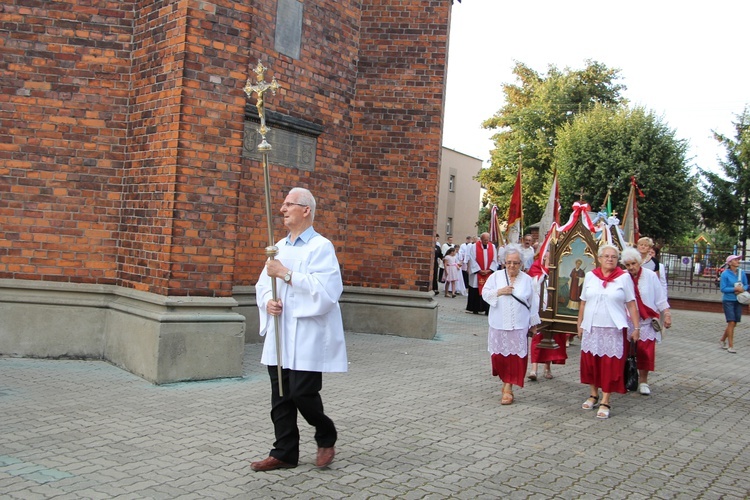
<point>645,247</point>
<point>463,258</point>
<point>482,263</point>
<point>527,252</point>
<point>514,310</point>
<point>652,305</point>
<point>607,298</point>
<point>309,286</point>
<point>444,250</point>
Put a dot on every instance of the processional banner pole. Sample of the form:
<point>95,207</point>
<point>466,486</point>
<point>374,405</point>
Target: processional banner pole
<point>259,88</point>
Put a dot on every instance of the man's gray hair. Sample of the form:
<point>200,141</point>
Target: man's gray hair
<point>305,197</point>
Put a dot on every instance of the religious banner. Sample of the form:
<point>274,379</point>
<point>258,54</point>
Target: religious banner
<point>630,219</point>
<point>551,214</point>
<point>496,233</point>
<point>515,212</point>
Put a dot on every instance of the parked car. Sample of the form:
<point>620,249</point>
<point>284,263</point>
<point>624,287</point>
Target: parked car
<point>744,265</point>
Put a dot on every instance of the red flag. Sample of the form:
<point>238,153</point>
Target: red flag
<point>515,212</point>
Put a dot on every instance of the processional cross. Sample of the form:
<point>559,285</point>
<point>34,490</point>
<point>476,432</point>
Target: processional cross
<point>260,88</point>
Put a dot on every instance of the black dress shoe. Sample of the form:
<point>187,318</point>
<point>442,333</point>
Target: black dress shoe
<point>271,463</point>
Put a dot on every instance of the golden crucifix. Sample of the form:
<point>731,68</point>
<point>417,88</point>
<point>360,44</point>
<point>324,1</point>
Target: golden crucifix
<point>260,88</point>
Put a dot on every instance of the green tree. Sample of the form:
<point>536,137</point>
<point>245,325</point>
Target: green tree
<point>726,203</point>
<point>600,151</point>
<point>527,128</point>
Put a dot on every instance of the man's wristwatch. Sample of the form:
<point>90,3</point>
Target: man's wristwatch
<point>288,277</point>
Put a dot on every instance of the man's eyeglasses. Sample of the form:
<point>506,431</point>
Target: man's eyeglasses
<point>287,204</point>
<point>511,263</point>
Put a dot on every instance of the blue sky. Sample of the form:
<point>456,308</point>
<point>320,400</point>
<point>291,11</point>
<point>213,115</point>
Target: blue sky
<point>686,62</point>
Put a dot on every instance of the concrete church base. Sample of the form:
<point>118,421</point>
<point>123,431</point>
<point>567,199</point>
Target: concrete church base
<point>364,310</point>
<point>162,339</point>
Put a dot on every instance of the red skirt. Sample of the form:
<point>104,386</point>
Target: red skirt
<point>511,369</point>
<point>646,354</point>
<point>604,371</point>
<point>556,356</point>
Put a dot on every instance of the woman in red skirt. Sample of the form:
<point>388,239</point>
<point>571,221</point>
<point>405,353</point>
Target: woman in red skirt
<point>547,356</point>
<point>652,304</point>
<point>514,309</point>
<point>607,298</point>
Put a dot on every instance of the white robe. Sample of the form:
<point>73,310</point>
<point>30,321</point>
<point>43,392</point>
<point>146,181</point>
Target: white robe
<point>312,330</point>
<point>605,306</point>
<point>506,313</point>
<point>527,257</point>
<point>652,295</point>
<point>474,265</point>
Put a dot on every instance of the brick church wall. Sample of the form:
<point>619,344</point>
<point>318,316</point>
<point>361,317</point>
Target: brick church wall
<point>64,94</point>
<point>121,128</point>
<point>317,87</point>
<point>190,62</point>
<point>397,135</point>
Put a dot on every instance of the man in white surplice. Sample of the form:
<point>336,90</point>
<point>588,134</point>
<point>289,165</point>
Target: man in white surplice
<point>482,263</point>
<point>309,286</point>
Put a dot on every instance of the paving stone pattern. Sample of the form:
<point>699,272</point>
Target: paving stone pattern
<point>417,419</point>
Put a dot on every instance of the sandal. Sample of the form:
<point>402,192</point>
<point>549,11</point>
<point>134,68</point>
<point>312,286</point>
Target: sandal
<point>548,374</point>
<point>532,376</point>
<point>590,402</point>
<point>603,411</point>
<point>507,398</point>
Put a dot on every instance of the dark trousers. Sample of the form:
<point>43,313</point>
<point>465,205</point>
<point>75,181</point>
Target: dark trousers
<point>475,303</point>
<point>465,275</point>
<point>301,393</point>
<point>435,277</point>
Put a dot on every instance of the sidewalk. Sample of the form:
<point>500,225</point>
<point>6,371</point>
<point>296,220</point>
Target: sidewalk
<point>416,418</point>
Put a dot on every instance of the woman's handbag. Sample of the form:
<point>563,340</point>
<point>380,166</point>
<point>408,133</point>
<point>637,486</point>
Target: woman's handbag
<point>631,369</point>
<point>743,298</point>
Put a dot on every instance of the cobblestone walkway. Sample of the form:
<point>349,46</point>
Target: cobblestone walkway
<point>417,419</point>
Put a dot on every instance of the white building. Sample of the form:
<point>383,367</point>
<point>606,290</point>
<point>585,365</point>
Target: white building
<point>459,197</point>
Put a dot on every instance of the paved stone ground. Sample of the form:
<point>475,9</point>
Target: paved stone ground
<point>417,419</point>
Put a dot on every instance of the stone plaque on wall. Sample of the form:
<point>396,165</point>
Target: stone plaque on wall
<point>288,39</point>
<point>288,148</point>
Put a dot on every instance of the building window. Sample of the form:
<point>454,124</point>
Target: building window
<point>452,183</point>
<point>449,226</point>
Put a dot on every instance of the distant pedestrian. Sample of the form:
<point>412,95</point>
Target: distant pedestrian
<point>437,262</point>
<point>452,272</point>
<point>733,282</point>
<point>482,263</point>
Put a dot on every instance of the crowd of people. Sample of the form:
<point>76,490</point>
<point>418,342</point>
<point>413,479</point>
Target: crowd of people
<point>621,301</point>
